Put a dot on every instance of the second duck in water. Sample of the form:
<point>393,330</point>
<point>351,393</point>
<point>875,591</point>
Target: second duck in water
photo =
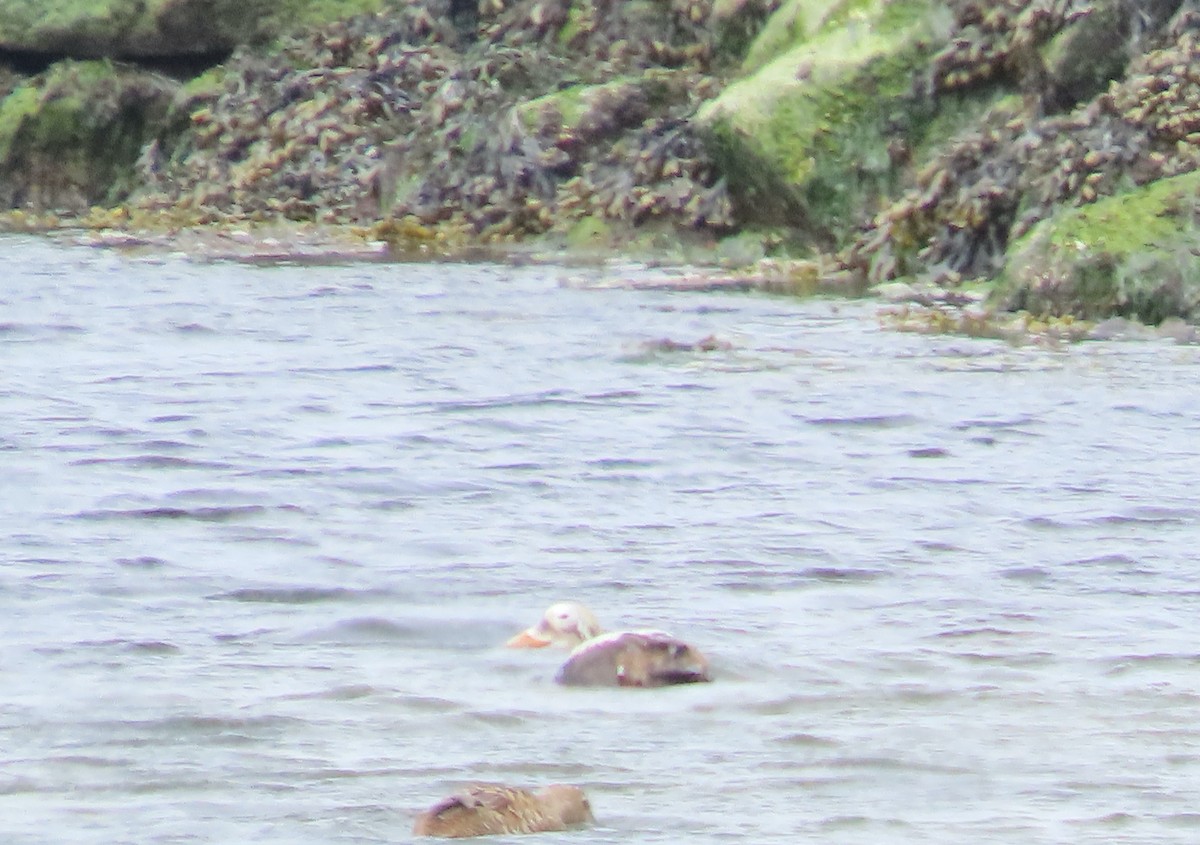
<point>622,658</point>
<point>484,809</point>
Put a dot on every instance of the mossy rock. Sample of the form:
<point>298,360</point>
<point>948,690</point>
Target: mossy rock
<point>158,29</point>
<point>736,25</point>
<point>793,23</point>
<point>805,139</point>
<point>592,231</point>
<point>593,112</point>
<point>70,138</point>
<point>1130,255</point>
<point>1084,57</point>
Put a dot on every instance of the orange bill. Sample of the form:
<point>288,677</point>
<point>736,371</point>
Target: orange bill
<point>527,639</point>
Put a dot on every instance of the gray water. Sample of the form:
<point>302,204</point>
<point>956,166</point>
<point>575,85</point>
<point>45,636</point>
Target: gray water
<point>264,528</point>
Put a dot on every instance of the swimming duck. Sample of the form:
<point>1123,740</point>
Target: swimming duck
<point>621,658</point>
<point>487,808</point>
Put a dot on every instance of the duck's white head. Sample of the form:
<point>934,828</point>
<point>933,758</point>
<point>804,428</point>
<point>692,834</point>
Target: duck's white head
<point>565,623</point>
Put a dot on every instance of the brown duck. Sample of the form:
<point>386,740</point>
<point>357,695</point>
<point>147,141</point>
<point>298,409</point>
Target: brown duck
<point>621,658</point>
<point>484,809</point>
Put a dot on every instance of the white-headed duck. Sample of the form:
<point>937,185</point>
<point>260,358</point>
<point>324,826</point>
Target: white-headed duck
<point>621,658</point>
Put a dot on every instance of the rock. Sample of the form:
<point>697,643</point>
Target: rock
<point>1083,58</point>
<point>977,186</point>
<point>896,292</point>
<point>793,23</point>
<point>1130,255</point>
<point>1120,328</point>
<point>71,137</point>
<point>157,29</point>
<point>591,113</point>
<point>1178,330</point>
<point>736,24</point>
<point>805,138</point>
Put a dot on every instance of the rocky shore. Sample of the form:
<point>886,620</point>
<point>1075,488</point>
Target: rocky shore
<point>1013,155</point>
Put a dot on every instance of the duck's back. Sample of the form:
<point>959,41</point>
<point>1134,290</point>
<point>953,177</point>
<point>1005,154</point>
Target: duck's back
<point>488,809</point>
<point>634,659</point>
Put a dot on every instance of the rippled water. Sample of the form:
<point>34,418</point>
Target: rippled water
<point>264,527</point>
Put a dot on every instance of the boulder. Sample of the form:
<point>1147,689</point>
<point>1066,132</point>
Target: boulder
<point>1129,255</point>
<point>813,134</point>
<point>594,113</point>
<point>70,138</point>
<point>794,22</point>
<point>157,29</point>
<point>1082,59</point>
<point>736,24</point>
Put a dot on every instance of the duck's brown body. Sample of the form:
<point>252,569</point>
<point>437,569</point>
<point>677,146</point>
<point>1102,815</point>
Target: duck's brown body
<point>486,809</point>
<point>634,659</point>
<point>621,659</point>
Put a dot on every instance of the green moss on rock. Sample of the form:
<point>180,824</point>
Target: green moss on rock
<point>1083,58</point>
<point>735,25</point>
<point>1131,255</point>
<point>14,110</point>
<point>285,15</point>
<point>159,28</point>
<point>590,232</point>
<point>806,138</point>
<point>798,21</point>
<point>45,23</point>
<point>569,105</point>
<point>69,138</point>
<point>588,109</point>
<point>795,22</point>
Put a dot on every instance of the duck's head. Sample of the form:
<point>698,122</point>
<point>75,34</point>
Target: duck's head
<point>565,623</point>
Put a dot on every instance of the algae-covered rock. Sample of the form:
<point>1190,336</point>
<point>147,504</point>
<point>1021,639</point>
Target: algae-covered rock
<point>522,126</point>
<point>590,113</point>
<point>794,22</point>
<point>132,29</point>
<point>1129,255</point>
<point>736,24</point>
<point>71,137</point>
<point>984,185</point>
<point>812,137</point>
<point>1083,58</point>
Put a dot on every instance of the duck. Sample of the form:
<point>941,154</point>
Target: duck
<point>641,658</point>
<point>484,809</point>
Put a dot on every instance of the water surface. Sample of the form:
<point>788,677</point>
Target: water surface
<point>263,529</point>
